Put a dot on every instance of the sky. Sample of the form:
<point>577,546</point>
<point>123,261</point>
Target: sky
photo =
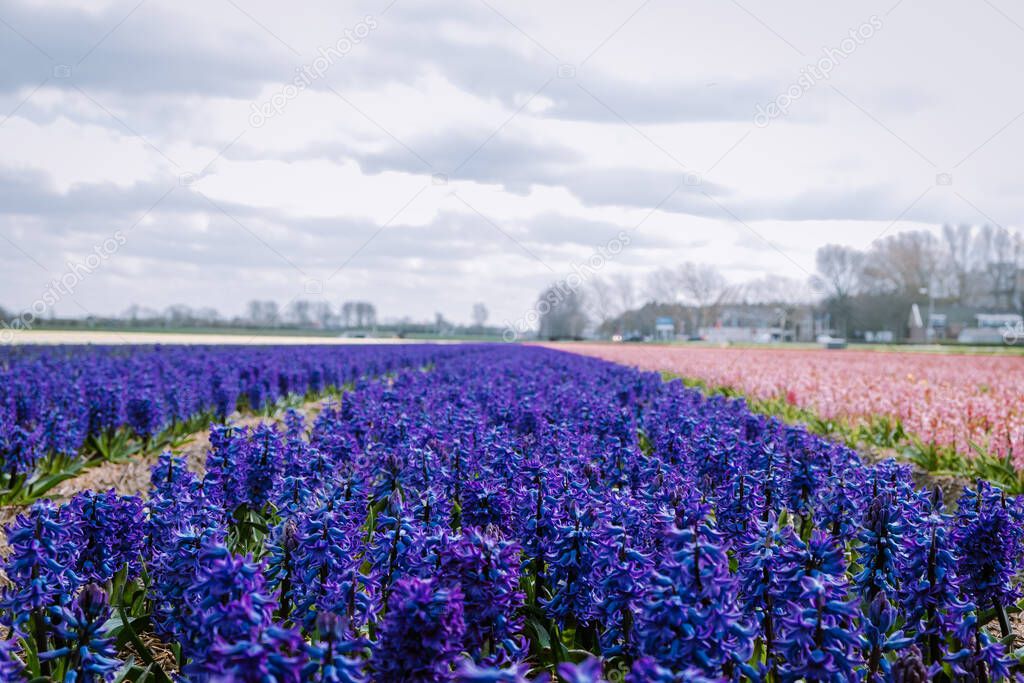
<point>428,154</point>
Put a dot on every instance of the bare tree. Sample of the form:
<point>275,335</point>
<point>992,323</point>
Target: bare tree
<point>1018,261</point>
<point>301,312</point>
<point>663,286</point>
<point>562,312</point>
<point>601,299</point>
<point>840,272</point>
<point>271,313</point>
<point>480,314</point>
<point>206,315</point>
<point>625,292</point>
<point>322,314</point>
<point>774,289</point>
<point>254,310</point>
<point>358,314</point>
<point>904,263</point>
<point>959,245</point>
<point>704,288</point>
<point>363,313</point>
<point>702,284</point>
<point>699,286</point>
<point>996,250</point>
<point>264,313</point>
<point>178,315</point>
<point>348,313</point>
<point>131,313</point>
<point>609,298</point>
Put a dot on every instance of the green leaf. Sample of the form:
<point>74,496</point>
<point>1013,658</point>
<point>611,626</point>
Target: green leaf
<point>140,647</point>
<point>125,671</point>
<point>543,638</point>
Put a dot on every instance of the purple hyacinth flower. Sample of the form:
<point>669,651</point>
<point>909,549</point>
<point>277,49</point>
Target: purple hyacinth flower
<point>108,530</point>
<point>587,671</point>
<point>89,653</point>
<point>487,573</point>
<point>421,635</point>
<point>471,673</point>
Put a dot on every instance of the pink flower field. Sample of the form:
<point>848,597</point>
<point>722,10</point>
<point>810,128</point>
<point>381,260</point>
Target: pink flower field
<point>948,400</point>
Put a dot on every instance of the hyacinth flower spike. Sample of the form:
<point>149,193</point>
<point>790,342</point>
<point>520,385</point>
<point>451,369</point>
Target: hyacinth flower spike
<point>820,642</point>
<point>83,652</point>
<point>334,658</point>
<point>910,667</point>
<point>589,671</point>
<point>989,535</point>
<point>880,546</point>
<point>880,637</point>
<point>421,634</point>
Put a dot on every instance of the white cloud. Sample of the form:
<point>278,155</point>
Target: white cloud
<point>455,129</point>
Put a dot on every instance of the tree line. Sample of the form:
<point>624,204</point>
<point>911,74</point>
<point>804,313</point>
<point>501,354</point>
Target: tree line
<point>265,314</point>
<point>963,269</point>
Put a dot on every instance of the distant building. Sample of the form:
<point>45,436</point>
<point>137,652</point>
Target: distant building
<point>997,321</point>
<point>664,328</point>
<point>765,324</point>
<point>938,326</point>
<point>991,328</point>
<point>745,335</point>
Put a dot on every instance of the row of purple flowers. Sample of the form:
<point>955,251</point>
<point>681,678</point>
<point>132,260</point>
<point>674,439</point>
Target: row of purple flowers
<point>58,404</point>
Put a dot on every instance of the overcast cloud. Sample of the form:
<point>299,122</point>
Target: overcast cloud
<point>426,154</point>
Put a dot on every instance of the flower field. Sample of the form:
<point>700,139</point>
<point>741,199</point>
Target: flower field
<point>944,400</point>
<point>492,514</point>
<point>62,408</point>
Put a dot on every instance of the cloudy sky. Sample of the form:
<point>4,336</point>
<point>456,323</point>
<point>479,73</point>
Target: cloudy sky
<point>426,154</point>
